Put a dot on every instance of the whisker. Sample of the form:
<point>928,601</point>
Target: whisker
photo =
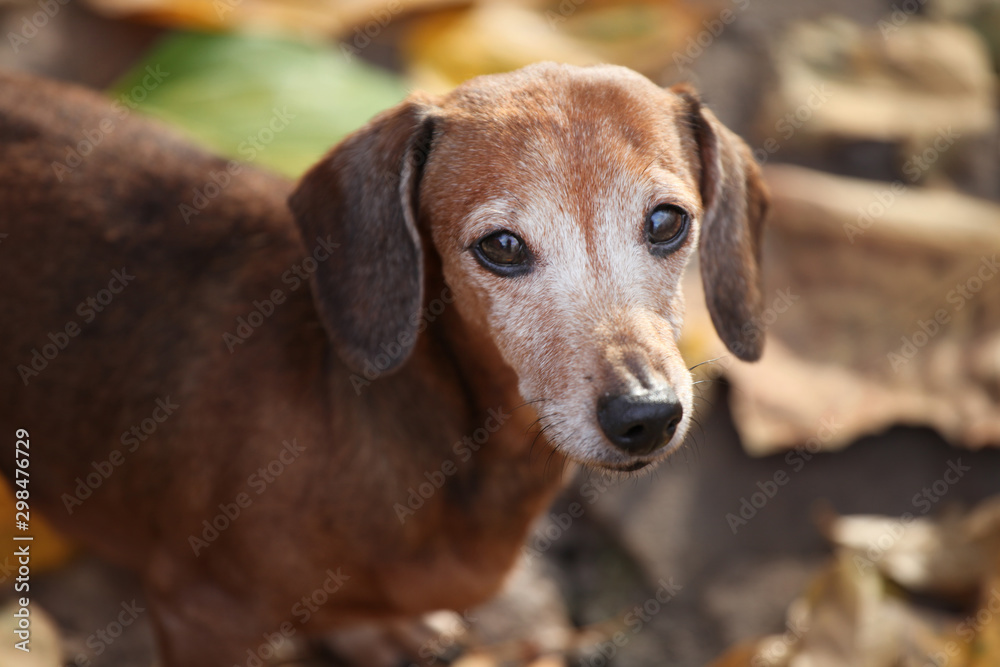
<point>699,432</point>
<point>537,400</point>
<point>541,416</point>
<point>545,470</point>
<point>707,361</point>
<point>528,428</point>
<point>696,445</point>
<point>562,472</point>
<point>553,442</point>
<point>539,434</point>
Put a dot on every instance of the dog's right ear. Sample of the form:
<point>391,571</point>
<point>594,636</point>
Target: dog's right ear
<point>361,199</point>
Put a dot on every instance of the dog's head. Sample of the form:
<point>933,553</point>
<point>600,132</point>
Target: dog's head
<point>564,204</point>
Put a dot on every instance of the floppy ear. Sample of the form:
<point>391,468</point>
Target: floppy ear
<point>361,198</point>
<point>735,201</point>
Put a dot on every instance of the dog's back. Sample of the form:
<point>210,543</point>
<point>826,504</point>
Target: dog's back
<point>116,297</point>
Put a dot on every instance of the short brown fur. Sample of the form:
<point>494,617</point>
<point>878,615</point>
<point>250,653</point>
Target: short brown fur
<point>390,198</point>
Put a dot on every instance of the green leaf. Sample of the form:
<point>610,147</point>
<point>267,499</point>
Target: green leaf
<point>277,103</point>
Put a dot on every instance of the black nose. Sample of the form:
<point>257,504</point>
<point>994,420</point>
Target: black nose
<point>640,423</point>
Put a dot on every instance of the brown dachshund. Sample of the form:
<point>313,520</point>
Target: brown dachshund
<point>293,418</point>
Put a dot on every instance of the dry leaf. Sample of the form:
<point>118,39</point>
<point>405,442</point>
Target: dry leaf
<point>870,324</point>
<point>949,556</point>
<point>317,18</point>
<point>854,614</point>
<point>864,82</point>
<point>445,48</point>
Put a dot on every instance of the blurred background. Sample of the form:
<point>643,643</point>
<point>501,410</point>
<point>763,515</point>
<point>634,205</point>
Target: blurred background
<point>839,503</point>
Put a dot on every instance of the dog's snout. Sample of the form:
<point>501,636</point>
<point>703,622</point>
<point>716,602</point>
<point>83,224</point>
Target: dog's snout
<point>640,423</point>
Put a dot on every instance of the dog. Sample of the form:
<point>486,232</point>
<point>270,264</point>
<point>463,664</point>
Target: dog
<point>294,408</point>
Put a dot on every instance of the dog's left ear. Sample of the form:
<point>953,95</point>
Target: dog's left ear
<point>361,199</point>
<point>735,202</point>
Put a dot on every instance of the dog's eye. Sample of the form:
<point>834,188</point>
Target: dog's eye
<point>503,253</point>
<point>666,227</point>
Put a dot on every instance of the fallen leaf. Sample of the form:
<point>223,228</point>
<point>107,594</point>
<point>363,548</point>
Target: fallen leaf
<point>859,610</point>
<point>276,103</point>
<point>884,322</point>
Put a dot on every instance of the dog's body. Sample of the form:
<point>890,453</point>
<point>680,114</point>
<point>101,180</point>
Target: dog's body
<point>180,421</point>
